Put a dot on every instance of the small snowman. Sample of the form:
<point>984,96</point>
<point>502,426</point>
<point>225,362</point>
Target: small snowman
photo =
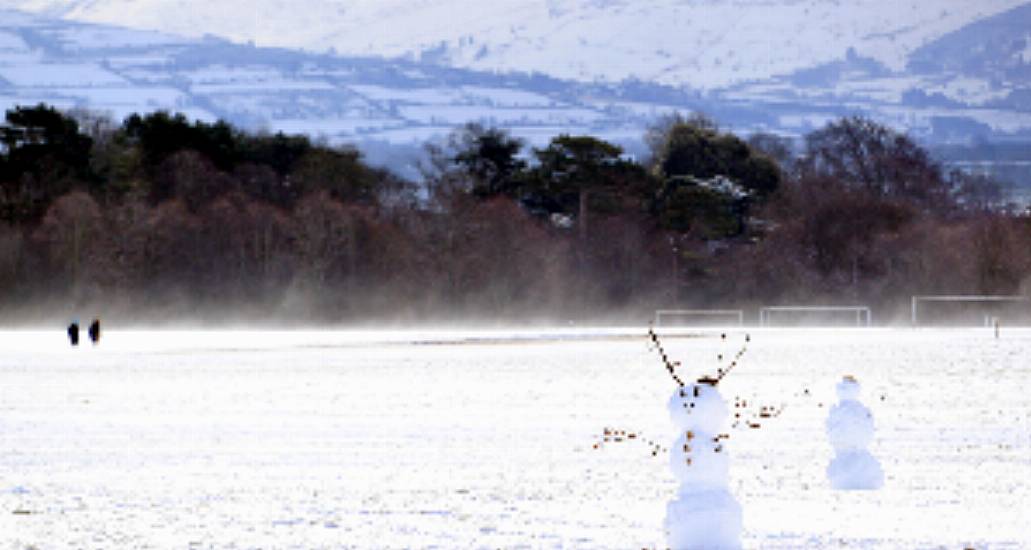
<point>850,428</point>
<point>703,514</point>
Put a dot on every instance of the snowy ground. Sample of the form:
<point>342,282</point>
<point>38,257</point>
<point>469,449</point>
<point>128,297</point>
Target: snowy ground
<point>465,440</point>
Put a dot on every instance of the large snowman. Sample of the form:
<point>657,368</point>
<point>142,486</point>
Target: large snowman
<point>703,514</point>
<point>850,429</point>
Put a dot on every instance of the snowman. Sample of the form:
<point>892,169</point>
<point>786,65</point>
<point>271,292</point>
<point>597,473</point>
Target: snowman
<point>850,428</point>
<point>703,514</point>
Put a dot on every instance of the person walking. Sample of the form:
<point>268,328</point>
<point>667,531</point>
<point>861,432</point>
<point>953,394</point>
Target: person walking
<point>73,333</point>
<point>94,331</point>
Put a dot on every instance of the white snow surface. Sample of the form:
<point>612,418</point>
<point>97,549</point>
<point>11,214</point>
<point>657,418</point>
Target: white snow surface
<point>703,44</point>
<point>10,42</point>
<point>326,439</point>
<point>60,74</point>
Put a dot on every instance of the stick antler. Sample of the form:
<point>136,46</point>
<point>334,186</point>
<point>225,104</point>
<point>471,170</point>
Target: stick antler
<point>671,366</point>
<point>723,372</point>
<point>665,359</point>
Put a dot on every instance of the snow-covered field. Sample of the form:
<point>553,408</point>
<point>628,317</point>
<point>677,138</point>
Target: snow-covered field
<point>485,439</point>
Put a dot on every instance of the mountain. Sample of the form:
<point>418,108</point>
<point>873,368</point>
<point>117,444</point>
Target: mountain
<point>383,106</point>
<point>963,79</point>
<point>701,44</point>
<point>994,52</point>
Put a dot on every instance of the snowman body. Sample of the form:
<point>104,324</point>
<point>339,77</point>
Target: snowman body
<point>703,514</point>
<point>850,429</point>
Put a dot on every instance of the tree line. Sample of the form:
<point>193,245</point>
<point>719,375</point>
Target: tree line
<point>162,218</point>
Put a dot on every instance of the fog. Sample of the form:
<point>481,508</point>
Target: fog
<point>958,314</point>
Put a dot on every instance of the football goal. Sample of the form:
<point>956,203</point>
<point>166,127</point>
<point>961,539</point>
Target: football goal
<point>699,317</point>
<point>814,315</point>
<point>970,309</point>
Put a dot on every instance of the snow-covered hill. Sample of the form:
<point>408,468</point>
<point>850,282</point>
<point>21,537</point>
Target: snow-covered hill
<point>702,44</point>
<point>383,106</point>
<point>970,84</point>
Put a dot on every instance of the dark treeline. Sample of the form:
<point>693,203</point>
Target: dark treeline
<point>163,218</point>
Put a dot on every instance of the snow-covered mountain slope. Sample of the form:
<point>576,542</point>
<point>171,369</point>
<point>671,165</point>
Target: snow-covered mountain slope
<point>970,84</point>
<point>702,44</point>
<point>997,47</point>
<point>383,106</point>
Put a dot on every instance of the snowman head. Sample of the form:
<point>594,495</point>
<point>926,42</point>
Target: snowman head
<point>848,388</point>
<point>698,407</point>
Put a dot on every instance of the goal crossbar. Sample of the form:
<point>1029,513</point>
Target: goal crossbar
<point>964,298</point>
<point>862,313</point>
<point>737,314</point>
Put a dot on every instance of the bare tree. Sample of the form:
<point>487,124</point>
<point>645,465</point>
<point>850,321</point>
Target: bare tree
<point>70,231</point>
<point>864,154</point>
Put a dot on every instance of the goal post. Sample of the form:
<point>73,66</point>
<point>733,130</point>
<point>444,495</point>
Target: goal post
<point>861,314</point>
<point>701,316</point>
<point>993,301</point>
